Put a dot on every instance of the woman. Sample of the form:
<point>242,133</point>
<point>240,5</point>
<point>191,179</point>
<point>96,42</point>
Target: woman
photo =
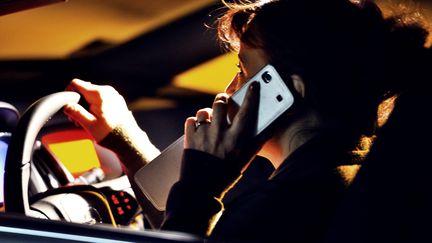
<point>338,58</point>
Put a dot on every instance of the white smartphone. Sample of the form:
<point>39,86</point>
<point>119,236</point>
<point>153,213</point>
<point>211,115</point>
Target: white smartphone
<point>275,97</point>
<point>156,178</point>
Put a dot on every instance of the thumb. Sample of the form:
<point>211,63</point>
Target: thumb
<point>78,114</point>
<point>246,119</point>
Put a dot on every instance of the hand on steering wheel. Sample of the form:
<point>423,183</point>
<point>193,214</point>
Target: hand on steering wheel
<point>107,109</point>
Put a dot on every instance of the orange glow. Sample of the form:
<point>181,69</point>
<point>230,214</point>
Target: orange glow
<point>58,30</point>
<point>77,156</point>
<point>74,149</point>
<point>210,77</point>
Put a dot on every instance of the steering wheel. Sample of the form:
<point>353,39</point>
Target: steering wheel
<point>79,203</point>
<point>20,151</point>
<point>17,173</point>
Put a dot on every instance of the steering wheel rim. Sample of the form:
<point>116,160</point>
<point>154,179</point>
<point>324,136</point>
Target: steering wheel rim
<point>20,151</point>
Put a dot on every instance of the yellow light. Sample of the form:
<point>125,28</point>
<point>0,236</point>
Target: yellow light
<point>57,30</point>
<point>77,156</point>
<point>210,77</point>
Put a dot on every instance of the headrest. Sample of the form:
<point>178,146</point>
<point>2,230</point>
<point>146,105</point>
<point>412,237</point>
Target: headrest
<point>9,117</point>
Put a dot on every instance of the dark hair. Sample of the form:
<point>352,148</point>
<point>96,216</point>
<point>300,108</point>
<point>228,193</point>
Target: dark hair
<point>349,55</point>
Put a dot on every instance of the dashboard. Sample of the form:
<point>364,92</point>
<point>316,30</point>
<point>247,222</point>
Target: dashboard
<point>93,188</point>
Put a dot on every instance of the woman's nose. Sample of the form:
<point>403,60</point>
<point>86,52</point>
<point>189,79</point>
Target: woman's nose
<point>232,86</point>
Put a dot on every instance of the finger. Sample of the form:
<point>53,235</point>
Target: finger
<point>72,84</point>
<point>222,97</point>
<point>78,114</point>
<point>190,124</point>
<point>220,110</point>
<point>189,129</point>
<point>78,85</point>
<point>87,89</point>
<point>96,111</point>
<point>204,114</point>
<point>247,117</point>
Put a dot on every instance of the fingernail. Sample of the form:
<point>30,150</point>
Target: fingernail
<point>223,99</point>
<point>255,86</point>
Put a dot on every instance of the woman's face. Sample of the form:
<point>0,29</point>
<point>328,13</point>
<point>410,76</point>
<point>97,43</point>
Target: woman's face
<point>251,60</point>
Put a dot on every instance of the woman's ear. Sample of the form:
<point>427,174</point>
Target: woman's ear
<point>299,85</point>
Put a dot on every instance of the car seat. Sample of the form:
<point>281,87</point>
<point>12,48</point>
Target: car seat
<point>9,117</point>
<point>390,200</point>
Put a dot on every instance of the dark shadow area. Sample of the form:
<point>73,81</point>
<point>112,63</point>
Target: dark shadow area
<point>164,126</point>
<point>390,200</point>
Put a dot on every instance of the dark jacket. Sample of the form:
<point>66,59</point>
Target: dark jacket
<point>294,205</point>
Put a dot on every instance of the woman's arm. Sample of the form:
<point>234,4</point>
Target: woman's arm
<point>195,200</point>
<point>215,154</point>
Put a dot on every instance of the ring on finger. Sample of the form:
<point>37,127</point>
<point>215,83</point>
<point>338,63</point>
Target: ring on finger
<point>199,123</point>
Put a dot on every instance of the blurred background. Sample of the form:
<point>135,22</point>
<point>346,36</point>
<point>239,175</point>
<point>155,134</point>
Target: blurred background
<point>162,56</point>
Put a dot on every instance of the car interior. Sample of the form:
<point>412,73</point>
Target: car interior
<point>59,184</point>
<point>57,171</point>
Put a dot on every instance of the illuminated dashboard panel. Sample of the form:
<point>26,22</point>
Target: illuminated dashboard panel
<point>3,150</point>
<point>75,149</point>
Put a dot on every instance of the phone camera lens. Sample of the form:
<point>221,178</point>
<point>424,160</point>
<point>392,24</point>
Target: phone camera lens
<point>266,77</point>
<point>279,98</point>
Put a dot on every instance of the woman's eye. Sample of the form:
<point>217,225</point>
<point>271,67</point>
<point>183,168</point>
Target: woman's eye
<point>239,67</point>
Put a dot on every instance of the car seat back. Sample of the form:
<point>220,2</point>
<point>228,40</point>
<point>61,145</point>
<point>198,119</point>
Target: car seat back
<point>390,200</point>
<point>9,117</point>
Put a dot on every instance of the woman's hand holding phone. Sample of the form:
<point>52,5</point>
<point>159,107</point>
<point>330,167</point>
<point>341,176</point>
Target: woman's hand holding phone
<point>233,140</point>
<point>230,128</point>
<point>214,134</point>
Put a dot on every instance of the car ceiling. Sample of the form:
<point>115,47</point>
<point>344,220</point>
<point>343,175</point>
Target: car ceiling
<point>137,46</point>
<point>158,54</point>
<point>57,30</point>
